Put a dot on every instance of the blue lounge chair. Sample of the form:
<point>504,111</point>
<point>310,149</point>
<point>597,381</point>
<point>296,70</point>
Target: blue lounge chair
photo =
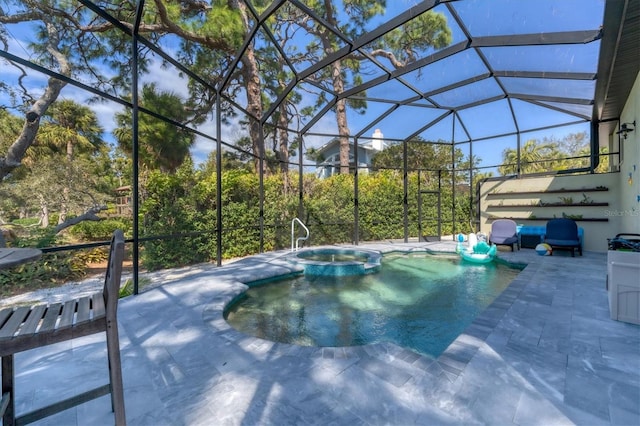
<point>562,234</point>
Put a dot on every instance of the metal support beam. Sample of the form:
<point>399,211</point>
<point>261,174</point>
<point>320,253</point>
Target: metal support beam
<point>135,195</point>
<point>538,39</point>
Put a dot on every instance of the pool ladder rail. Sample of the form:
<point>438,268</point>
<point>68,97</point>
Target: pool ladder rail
<point>297,240</point>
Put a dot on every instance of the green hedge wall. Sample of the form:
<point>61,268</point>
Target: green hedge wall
<point>185,203</point>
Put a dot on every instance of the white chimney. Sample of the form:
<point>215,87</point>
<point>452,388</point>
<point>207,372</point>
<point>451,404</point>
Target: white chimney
<point>378,140</point>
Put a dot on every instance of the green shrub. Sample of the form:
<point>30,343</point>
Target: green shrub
<point>36,237</point>
<point>100,230</point>
<point>94,255</point>
<point>51,270</point>
<point>27,221</point>
<point>172,207</point>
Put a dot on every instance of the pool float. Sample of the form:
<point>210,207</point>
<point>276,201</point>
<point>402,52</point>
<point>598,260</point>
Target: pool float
<point>479,253</point>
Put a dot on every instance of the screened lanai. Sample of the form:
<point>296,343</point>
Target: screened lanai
<point>262,86</point>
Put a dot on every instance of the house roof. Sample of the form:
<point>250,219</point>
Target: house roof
<point>619,62</point>
<point>365,144</point>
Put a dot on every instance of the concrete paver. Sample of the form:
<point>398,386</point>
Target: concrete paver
<point>545,352</point>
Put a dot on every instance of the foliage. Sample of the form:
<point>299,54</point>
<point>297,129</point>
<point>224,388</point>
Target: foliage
<point>100,230</point>
<point>550,154</point>
<point>126,289</point>
<point>381,206</point>
<point>93,255</point>
<point>328,209</point>
<point>61,171</point>
<point>421,155</point>
<point>230,160</point>
<point>396,49</point>
<point>50,270</point>
<point>281,206</point>
<point>169,211</point>
<point>36,237</point>
<point>163,145</point>
<point>27,221</point>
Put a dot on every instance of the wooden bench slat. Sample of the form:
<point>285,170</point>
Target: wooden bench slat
<point>50,318</point>
<point>14,322</point>
<point>84,310</point>
<point>6,399</point>
<point>4,314</point>
<point>33,320</point>
<point>98,305</point>
<point>68,312</point>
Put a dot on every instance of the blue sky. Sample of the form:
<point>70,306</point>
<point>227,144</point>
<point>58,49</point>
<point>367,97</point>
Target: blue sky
<point>483,18</point>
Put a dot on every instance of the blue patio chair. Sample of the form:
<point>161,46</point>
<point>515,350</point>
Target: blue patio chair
<point>562,234</point>
<point>504,232</point>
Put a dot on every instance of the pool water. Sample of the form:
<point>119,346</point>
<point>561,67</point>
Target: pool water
<point>422,302</point>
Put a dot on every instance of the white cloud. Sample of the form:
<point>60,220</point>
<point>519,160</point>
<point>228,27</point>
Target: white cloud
<point>166,79</point>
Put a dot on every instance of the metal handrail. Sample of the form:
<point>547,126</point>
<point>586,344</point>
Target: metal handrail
<point>293,222</point>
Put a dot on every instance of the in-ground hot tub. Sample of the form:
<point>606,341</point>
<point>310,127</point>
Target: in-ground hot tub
<point>337,261</point>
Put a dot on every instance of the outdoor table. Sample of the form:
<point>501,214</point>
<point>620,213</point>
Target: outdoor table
<point>14,256</point>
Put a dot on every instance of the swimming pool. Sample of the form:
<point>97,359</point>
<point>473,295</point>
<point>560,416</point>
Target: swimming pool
<point>333,261</point>
<point>422,302</point>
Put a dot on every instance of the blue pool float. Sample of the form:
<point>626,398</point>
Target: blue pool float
<point>480,253</point>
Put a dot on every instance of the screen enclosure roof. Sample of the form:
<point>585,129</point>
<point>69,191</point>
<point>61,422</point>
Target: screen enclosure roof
<point>511,66</point>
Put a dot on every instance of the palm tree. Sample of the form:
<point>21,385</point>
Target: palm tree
<point>534,157</point>
<point>68,128</point>
<point>163,145</point>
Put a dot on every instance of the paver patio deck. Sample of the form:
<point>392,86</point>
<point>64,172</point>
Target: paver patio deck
<point>545,352</point>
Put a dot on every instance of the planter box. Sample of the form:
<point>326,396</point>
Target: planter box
<point>623,284</point>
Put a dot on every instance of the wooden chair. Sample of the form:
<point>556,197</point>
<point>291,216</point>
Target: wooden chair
<point>25,328</point>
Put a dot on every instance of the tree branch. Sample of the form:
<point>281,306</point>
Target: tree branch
<point>88,215</point>
<point>389,55</point>
<point>27,136</point>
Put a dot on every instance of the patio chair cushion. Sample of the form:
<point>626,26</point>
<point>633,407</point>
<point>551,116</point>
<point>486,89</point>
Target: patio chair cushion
<point>563,234</point>
<point>504,232</point>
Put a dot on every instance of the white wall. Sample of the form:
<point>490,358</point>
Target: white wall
<point>622,213</point>
<point>629,178</point>
<point>520,199</point>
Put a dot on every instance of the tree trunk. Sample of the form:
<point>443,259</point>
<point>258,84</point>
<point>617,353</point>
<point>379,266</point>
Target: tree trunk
<point>341,117</point>
<point>25,139</point>
<point>254,107</point>
<point>44,212</point>
<point>64,205</point>
<point>338,88</point>
<point>65,191</point>
<point>283,139</point>
<point>252,85</point>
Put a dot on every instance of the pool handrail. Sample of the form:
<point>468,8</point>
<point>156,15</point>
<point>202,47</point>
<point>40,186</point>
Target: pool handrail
<point>297,241</point>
